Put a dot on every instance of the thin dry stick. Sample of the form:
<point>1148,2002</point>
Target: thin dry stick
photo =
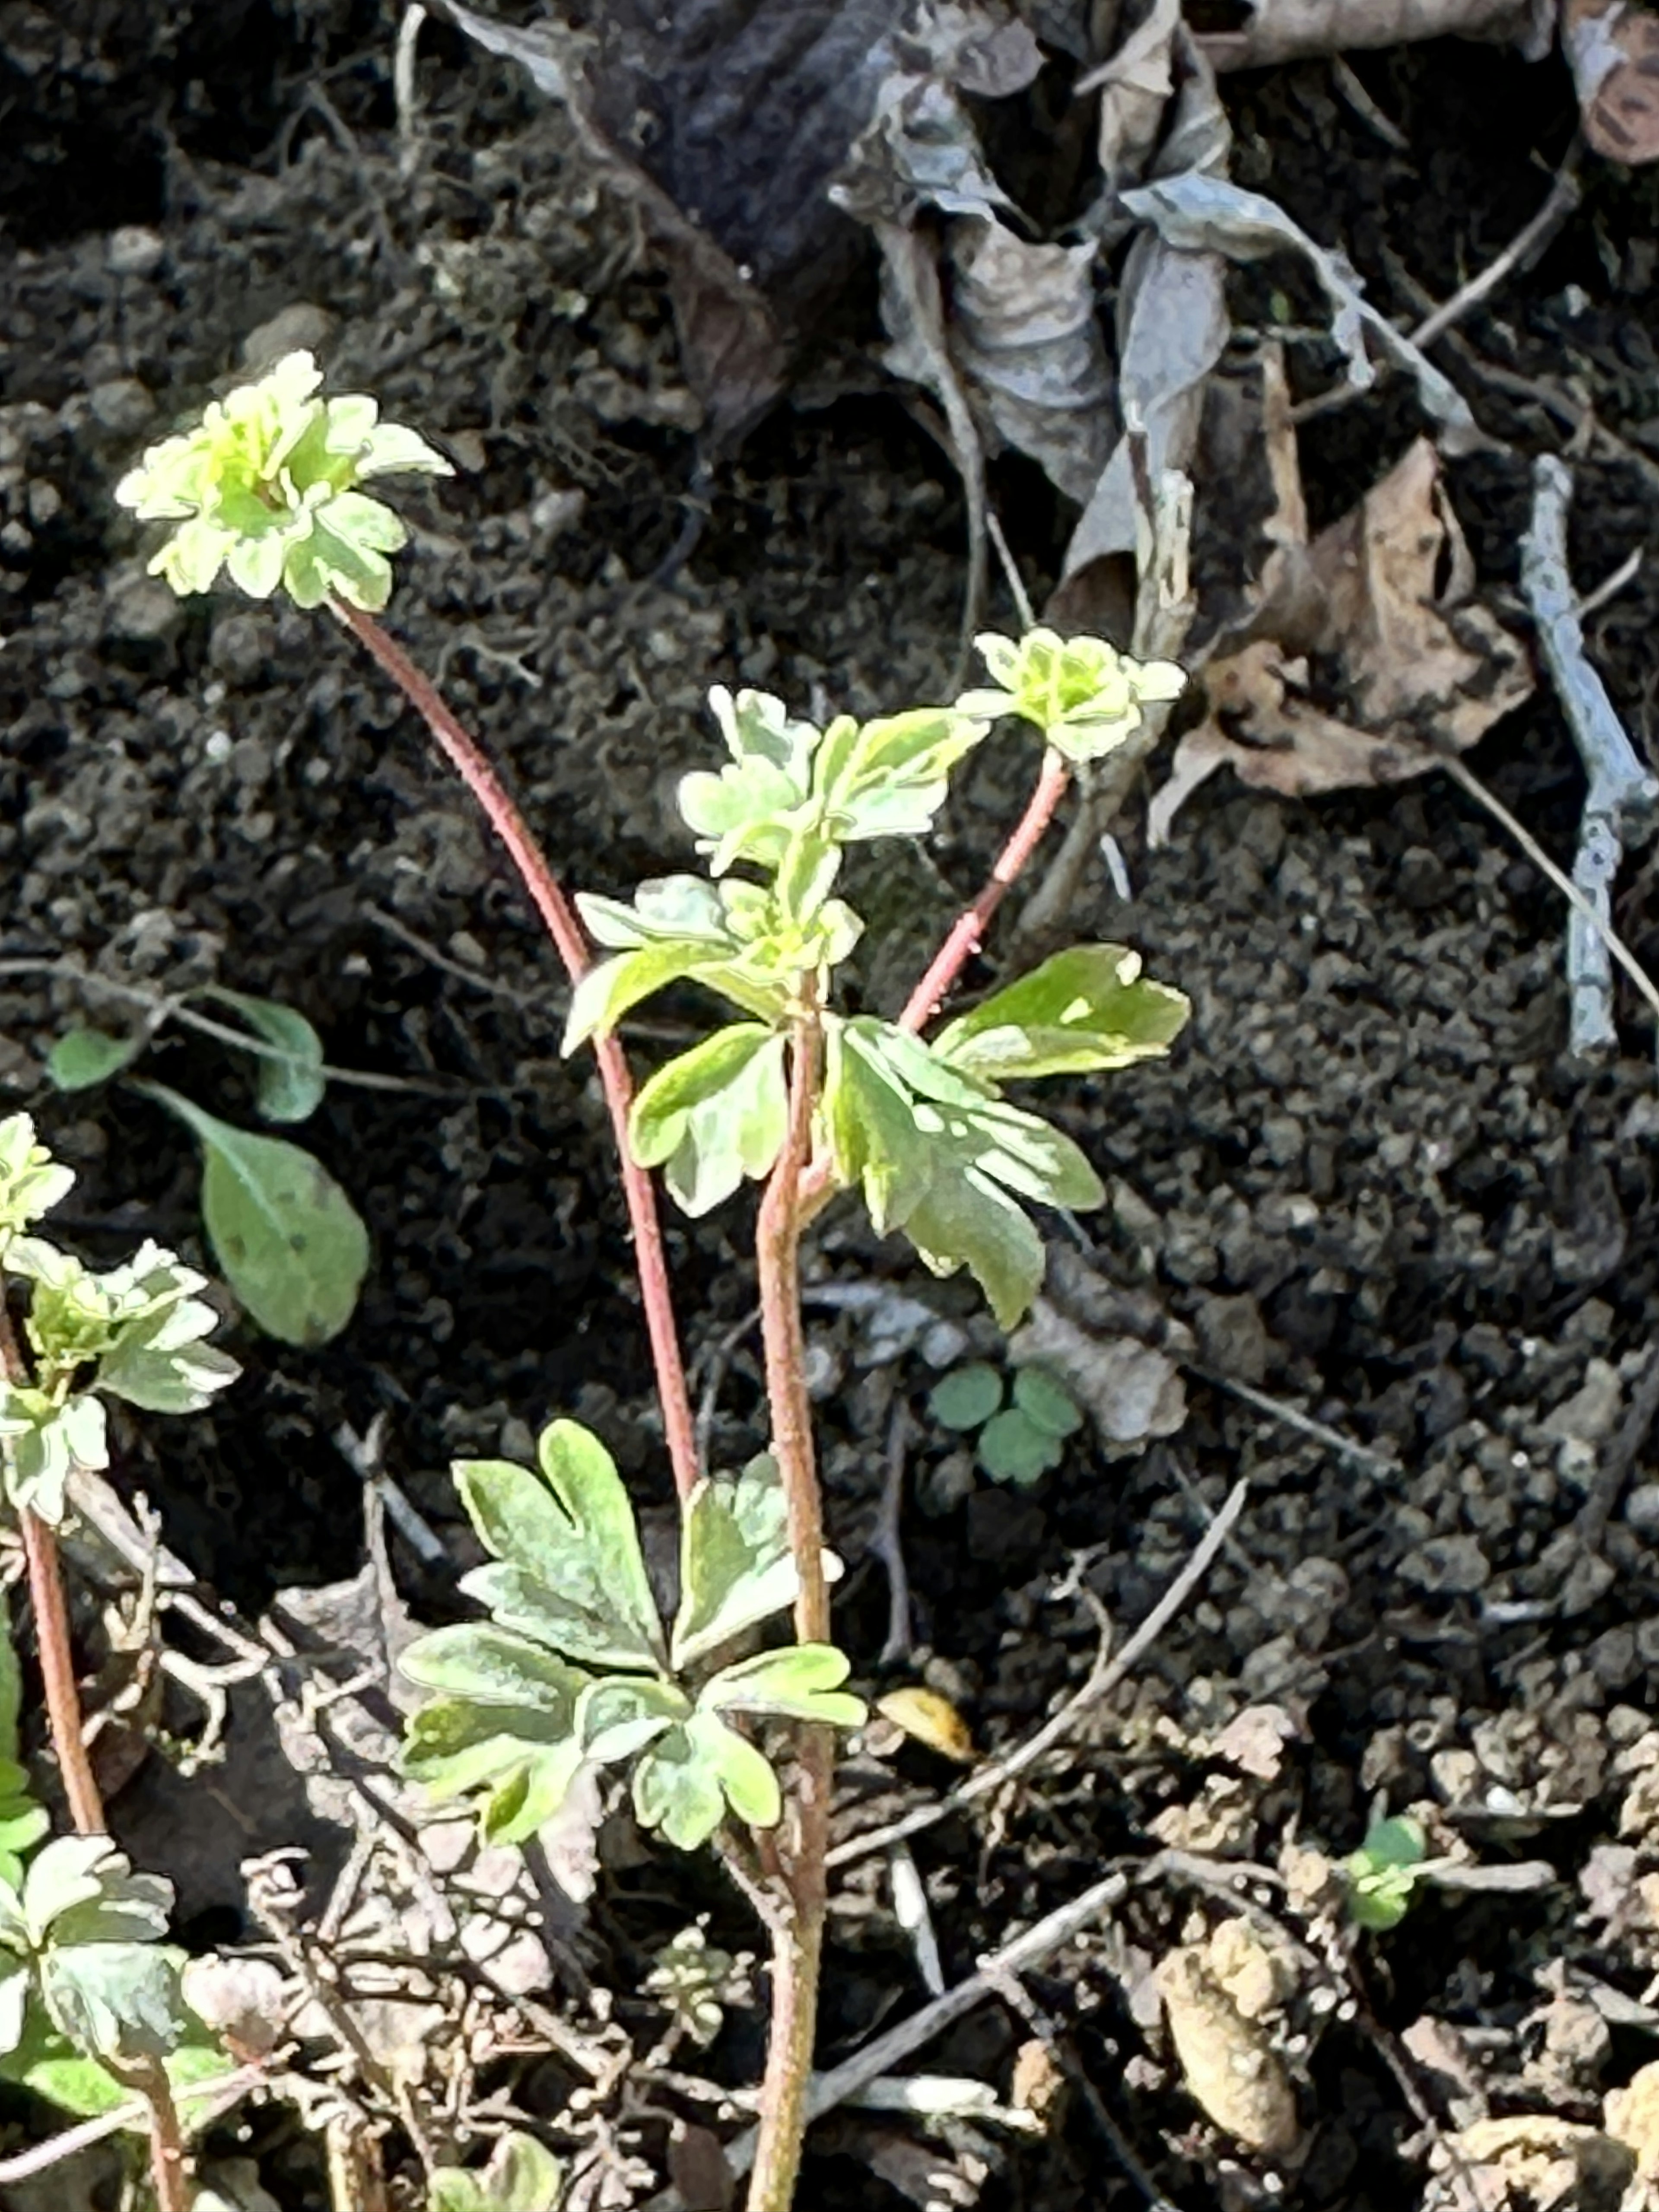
<point>797,1942</point>
<point>889,2050</point>
<point>968,931</point>
<point>41,2157</point>
<point>1563,883</point>
<point>1522,249</point>
<point>1103,1678</point>
<point>1622,790</point>
<point>559,917</point>
<point>52,1631</point>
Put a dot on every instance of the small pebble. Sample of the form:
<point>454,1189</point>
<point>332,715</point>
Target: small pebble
<point>133,250</point>
<point>1642,1511</point>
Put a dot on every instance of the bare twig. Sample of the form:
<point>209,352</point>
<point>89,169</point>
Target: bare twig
<point>1622,792</point>
<point>886,1538</point>
<point>1522,250</point>
<point>1014,1994</point>
<point>1293,1418</point>
<point>1104,1677</point>
<point>886,2052</point>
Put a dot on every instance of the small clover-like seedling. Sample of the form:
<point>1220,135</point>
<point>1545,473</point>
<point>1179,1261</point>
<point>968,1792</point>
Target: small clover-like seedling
<point>1382,1875</point>
<point>576,1670</point>
<point>136,1332</point>
<point>1022,1431</point>
<point>1084,695</point>
<point>695,1981</point>
<point>522,2176</point>
<point>291,1245</point>
<point>266,488</point>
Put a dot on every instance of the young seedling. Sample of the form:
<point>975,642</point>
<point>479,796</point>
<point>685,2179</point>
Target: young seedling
<point>574,1669</point>
<point>1382,1875</point>
<point>1022,1431</point>
<point>291,1245</point>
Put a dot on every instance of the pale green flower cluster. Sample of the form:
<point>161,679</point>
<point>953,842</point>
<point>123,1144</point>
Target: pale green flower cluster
<point>265,487</point>
<point>1083,694</point>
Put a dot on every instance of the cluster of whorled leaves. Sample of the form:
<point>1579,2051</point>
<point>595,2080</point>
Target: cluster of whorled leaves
<point>574,1671</point>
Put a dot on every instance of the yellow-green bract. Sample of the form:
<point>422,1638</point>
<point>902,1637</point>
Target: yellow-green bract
<point>265,487</point>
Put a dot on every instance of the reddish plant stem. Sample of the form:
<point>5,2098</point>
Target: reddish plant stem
<point>469,762</point>
<point>168,2165</point>
<point>798,1942</point>
<point>52,1631</point>
<point>968,931</point>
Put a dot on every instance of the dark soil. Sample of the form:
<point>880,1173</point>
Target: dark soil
<point>1368,1179</point>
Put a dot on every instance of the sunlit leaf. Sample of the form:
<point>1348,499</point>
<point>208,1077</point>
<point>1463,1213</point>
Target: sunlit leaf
<point>736,1568</point>
<point>685,1781</point>
<point>800,1682</point>
<point>717,1114</point>
<point>1085,1009</point>
<point>570,1572</point>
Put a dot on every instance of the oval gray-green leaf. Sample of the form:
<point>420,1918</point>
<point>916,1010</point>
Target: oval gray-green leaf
<point>81,1058</point>
<point>292,1246</point>
<point>288,1088</point>
<point>1045,1400</point>
<point>966,1396</point>
<point>1012,1448</point>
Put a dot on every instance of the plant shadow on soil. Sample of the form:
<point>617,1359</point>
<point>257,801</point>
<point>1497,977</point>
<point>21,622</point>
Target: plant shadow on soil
<point>1368,1169</point>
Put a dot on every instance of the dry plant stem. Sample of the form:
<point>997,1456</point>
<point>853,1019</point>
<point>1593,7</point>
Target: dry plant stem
<point>559,917</point>
<point>1622,792</point>
<point>51,1630</point>
<point>798,1941</point>
<point>968,931</point>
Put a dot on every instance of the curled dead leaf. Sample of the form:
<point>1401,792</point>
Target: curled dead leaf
<point>1383,603</point>
<point>1612,51</point>
<point>931,1719</point>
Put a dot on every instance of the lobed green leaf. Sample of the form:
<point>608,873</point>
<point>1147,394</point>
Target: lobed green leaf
<point>736,1568</point>
<point>717,1114</point>
<point>1084,1009</point>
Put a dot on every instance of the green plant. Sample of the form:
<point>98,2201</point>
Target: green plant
<point>574,1668</point>
<point>137,1332</point>
<point>522,2177</point>
<point>1022,1430</point>
<point>693,1980</point>
<point>1382,1875</point>
<point>291,1245</point>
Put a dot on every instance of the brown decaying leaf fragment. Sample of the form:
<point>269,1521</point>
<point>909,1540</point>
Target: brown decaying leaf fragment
<point>1612,51</point>
<point>1292,30</point>
<point>1383,599</point>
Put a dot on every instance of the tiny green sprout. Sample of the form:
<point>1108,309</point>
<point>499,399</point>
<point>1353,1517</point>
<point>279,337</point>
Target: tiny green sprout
<point>1019,1441</point>
<point>1083,694</point>
<point>694,1981</point>
<point>1383,1872</point>
<point>265,487</point>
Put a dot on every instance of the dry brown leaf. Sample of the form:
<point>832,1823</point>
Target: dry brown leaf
<point>931,1719</point>
<point>1383,601</point>
<point>1289,30</point>
<point>1612,51</point>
